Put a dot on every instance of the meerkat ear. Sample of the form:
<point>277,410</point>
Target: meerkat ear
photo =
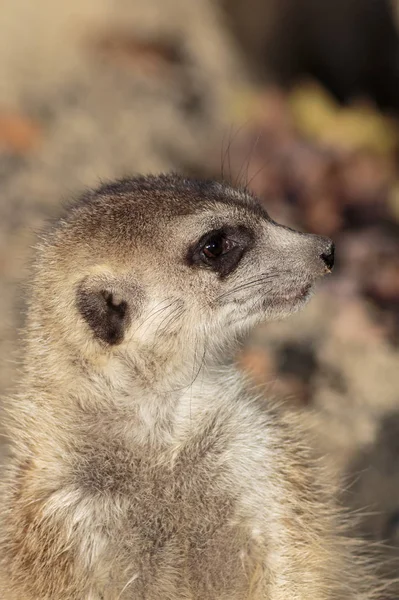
<point>105,307</point>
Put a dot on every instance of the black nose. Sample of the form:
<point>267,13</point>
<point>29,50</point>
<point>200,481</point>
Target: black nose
<point>328,256</point>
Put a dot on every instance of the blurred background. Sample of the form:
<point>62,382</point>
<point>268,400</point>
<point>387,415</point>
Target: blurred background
<point>297,100</point>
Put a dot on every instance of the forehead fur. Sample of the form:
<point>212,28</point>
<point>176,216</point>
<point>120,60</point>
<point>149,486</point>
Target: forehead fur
<point>173,192</point>
<point>122,215</point>
<point>147,200</point>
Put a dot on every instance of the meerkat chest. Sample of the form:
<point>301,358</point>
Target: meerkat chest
<point>180,528</point>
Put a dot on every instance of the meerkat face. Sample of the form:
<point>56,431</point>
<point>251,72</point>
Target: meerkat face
<point>163,259</point>
<point>258,270</point>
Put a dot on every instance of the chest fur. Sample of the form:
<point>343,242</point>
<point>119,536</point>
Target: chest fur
<point>179,528</point>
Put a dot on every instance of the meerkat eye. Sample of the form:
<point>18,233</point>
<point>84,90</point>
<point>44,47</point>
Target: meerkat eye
<point>220,250</point>
<point>216,246</point>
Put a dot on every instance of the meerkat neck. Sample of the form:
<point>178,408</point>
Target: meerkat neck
<point>141,400</point>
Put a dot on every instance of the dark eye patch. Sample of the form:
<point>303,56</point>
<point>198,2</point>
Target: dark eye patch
<point>221,250</point>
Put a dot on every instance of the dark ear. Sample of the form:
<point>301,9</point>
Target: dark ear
<point>105,309</point>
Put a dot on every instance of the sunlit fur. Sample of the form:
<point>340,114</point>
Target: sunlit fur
<point>148,468</point>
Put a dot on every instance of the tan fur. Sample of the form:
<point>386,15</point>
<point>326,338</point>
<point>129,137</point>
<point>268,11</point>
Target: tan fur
<point>145,466</point>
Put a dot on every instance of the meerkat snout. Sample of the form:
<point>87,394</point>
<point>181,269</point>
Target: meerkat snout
<point>328,256</point>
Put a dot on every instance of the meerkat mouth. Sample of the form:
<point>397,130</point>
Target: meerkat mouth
<point>303,293</point>
<point>290,301</point>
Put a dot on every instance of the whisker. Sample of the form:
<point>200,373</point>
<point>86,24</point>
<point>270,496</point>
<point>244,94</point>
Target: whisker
<point>196,374</point>
<point>254,284</point>
<point>247,161</point>
<point>255,147</point>
<point>258,172</point>
<point>193,374</point>
<point>228,151</point>
<point>150,318</point>
<point>173,320</point>
<point>243,286</point>
<point>253,281</point>
<point>222,155</point>
<point>229,145</point>
<point>175,313</point>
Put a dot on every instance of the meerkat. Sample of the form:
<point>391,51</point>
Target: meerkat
<point>143,464</point>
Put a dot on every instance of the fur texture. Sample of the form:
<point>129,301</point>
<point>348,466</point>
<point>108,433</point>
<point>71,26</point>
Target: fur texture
<point>143,466</point>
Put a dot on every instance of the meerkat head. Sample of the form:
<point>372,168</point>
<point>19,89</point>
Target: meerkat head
<point>164,262</point>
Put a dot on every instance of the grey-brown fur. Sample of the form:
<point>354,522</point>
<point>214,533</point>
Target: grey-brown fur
<point>143,466</point>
